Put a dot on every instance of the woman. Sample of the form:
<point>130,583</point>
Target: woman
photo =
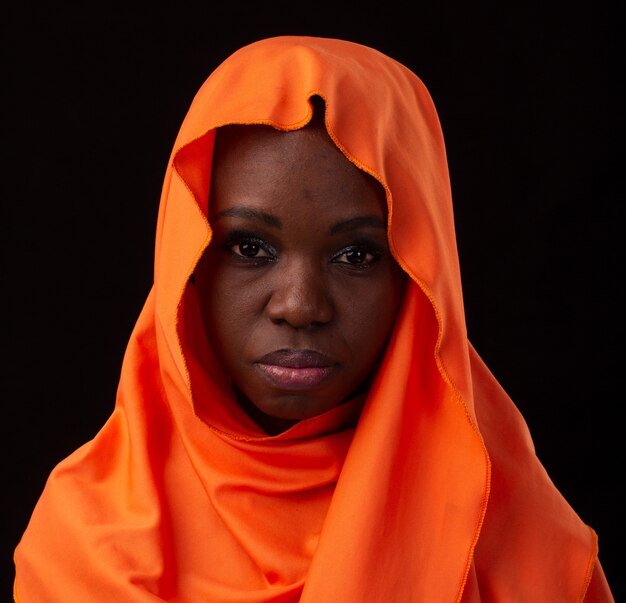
<point>300,415</point>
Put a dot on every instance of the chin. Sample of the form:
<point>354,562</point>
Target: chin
<point>296,408</point>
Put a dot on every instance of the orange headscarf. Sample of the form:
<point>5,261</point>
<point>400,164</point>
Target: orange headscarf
<point>426,489</point>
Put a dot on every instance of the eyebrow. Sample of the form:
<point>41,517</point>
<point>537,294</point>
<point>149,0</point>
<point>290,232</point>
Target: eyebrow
<point>355,223</point>
<point>250,214</point>
<point>275,222</point>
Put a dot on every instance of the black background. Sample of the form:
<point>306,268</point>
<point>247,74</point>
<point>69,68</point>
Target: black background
<point>529,98</point>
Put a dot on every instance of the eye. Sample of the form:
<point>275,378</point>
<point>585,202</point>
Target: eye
<point>357,256</point>
<point>246,246</point>
<point>250,249</point>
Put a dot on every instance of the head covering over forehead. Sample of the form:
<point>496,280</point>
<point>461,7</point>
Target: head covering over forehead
<point>425,489</point>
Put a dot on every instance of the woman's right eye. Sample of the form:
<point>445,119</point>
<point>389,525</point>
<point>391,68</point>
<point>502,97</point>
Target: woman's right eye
<point>254,249</point>
<point>250,249</point>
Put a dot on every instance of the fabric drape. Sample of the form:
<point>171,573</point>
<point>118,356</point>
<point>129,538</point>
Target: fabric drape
<point>425,489</point>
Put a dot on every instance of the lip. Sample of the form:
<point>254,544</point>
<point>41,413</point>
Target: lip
<point>296,369</point>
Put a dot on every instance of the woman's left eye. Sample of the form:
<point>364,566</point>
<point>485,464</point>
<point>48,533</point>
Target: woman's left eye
<point>357,256</point>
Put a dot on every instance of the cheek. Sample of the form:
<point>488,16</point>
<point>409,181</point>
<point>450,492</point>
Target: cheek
<point>226,312</point>
<point>227,319</point>
<point>369,315</point>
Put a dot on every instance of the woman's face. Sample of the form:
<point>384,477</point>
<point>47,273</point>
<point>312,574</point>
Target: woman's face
<point>298,290</point>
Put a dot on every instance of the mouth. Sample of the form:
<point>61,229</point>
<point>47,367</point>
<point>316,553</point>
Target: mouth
<point>296,369</point>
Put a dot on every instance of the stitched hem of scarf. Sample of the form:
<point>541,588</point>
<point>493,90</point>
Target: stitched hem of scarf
<point>591,565</point>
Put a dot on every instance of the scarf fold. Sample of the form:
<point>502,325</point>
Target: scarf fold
<point>426,488</point>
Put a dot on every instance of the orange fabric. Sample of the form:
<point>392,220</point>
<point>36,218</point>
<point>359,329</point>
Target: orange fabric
<point>427,489</point>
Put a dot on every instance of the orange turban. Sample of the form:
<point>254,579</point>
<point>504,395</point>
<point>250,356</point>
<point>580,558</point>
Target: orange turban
<point>426,489</point>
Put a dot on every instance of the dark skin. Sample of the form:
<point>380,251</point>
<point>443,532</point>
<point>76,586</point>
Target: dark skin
<point>298,289</point>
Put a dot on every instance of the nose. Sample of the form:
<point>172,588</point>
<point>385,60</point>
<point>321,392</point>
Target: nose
<point>300,296</point>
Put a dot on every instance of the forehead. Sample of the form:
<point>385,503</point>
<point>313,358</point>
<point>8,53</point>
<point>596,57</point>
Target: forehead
<point>261,166</point>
